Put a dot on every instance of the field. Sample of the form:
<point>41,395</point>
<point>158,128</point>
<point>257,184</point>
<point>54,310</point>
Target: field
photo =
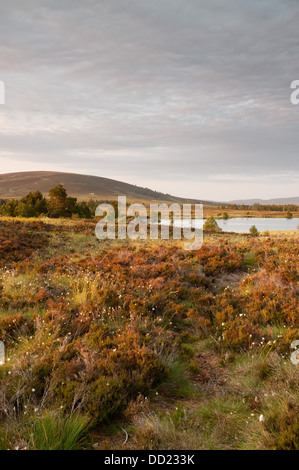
<point>143,345</point>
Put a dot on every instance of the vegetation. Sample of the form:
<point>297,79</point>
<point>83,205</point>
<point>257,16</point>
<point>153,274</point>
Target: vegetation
<point>59,205</point>
<point>253,230</point>
<point>263,207</point>
<point>55,431</point>
<point>256,210</point>
<point>177,349</point>
<point>211,225</point>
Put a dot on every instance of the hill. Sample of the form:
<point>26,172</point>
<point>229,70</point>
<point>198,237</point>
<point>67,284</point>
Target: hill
<point>279,201</point>
<point>84,187</point>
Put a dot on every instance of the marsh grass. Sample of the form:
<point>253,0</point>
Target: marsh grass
<point>56,432</point>
<point>177,382</point>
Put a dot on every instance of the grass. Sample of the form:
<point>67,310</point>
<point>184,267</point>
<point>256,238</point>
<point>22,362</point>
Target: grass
<point>54,432</point>
<point>143,345</point>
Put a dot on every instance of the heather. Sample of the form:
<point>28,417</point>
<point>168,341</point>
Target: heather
<point>143,345</point>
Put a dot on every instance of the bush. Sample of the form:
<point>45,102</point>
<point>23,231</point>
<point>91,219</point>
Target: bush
<point>211,225</point>
<point>254,231</point>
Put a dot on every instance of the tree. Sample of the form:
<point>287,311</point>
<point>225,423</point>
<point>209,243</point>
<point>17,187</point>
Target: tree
<point>10,208</point>
<point>254,231</point>
<point>32,205</point>
<point>211,225</point>
<point>60,205</point>
<point>83,211</point>
<point>289,215</point>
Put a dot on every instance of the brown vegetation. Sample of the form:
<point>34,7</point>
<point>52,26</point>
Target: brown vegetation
<point>181,349</point>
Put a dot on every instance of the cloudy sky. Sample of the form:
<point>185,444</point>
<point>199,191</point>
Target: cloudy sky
<point>190,97</point>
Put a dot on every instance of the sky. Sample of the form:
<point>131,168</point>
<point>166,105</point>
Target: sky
<point>188,97</point>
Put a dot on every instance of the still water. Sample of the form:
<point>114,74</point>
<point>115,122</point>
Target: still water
<point>242,225</point>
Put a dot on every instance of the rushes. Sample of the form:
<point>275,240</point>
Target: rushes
<point>56,432</point>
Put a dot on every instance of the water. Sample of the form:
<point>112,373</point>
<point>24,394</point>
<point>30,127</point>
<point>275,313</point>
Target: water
<point>242,225</point>
<point>272,224</point>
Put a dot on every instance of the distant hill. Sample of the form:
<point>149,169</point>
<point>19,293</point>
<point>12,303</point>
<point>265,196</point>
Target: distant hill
<point>84,187</point>
<point>282,200</point>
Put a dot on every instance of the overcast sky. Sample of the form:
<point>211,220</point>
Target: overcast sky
<point>190,97</point>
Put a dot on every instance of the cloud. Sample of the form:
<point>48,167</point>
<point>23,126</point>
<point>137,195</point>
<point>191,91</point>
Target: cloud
<point>165,92</point>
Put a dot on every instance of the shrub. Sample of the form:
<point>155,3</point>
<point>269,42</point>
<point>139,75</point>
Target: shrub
<point>254,231</point>
<point>211,225</point>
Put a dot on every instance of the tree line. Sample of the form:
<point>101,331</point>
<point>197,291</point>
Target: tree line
<point>58,205</point>
<point>262,207</point>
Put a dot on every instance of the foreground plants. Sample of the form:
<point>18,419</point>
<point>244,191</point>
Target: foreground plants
<point>144,345</point>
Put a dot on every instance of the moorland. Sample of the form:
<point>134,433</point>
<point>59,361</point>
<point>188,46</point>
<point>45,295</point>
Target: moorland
<point>143,345</point>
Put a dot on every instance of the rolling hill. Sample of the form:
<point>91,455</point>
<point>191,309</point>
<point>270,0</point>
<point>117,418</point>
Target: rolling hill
<point>279,201</point>
<point>84,187</point>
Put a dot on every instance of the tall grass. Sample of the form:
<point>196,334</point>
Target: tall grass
<point>56,432</point>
